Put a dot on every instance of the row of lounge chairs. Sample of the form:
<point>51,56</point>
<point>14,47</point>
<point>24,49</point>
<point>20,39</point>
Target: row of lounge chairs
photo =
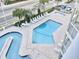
<point>34,20</point>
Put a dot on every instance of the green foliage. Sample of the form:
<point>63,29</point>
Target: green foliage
<point>50,10</point>
<point>16,24</point>
<point>19,23</point>
<point>69,1</point>
<point>18,13</point>
<point>27,18</point>
<point>12,1</point>
<point>28,15</point>
<point>43,1</point>
<point>39,11</point>
<point>22,13</point>
<point>9,2</point>
<point>58,0</point>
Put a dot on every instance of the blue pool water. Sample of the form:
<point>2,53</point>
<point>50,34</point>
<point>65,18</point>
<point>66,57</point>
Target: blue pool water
<point>43,34</point>
<point>14,48</point>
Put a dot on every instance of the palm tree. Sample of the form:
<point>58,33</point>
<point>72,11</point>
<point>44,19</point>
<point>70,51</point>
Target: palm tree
<point>18,13</point>
<point>28,15</point>
<point>39,11</point>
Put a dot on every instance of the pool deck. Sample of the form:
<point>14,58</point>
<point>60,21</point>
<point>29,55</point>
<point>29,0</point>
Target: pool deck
<point>38,50</point>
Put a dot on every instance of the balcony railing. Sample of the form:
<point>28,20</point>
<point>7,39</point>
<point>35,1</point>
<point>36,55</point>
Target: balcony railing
<point>72,30</point>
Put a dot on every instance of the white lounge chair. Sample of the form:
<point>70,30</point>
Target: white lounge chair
<point>23,24</point>
<point>42,15</point>
<point>47,13</point>
<point>32,21</point>
<point>38,17</point>
<point>35,20</point>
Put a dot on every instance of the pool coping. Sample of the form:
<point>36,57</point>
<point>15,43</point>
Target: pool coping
<point>55,18</point>
<point>27,37</point>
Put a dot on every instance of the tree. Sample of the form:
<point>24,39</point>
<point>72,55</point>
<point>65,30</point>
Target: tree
<point>28,15</point>
<point>18,13</point>
<point>27,18</point>
<point>43,1</point>
<point>39,11</point>
<point>69,1</point>
<point>7,2</point>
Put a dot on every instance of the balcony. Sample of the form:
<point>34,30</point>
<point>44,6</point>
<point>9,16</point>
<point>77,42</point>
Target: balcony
<point>76,22</point>
<point>75,19</point>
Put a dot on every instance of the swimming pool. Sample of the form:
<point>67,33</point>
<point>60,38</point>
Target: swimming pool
<point>14,48</point>
<point>43,34</point>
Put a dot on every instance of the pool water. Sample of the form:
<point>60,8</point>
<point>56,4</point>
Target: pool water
<point>43,34</point>
<point>14,48</point>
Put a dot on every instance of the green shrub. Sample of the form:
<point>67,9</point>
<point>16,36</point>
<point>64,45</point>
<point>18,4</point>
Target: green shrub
<point>16,24</point>
<point>9,2</point>
<point>12,1</point>
<point>39,11</point>
<point>69,1</point>
<point>28,18</point>
<point>49,10</point>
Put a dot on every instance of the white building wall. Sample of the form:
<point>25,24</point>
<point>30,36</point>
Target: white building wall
<point>73,50</point>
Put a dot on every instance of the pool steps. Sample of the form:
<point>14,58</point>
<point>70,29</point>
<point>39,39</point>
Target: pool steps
<point>5,48</point>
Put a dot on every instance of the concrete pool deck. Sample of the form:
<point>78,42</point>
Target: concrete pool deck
<point>44,51</point>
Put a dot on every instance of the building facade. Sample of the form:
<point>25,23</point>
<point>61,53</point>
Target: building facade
<point>70,45</point>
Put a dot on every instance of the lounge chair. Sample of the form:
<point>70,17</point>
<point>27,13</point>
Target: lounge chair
<point>38,17</point>
<point>35,20</point>
<point>32,21</point>
<point>23,24</point>
<point>47,13</point>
